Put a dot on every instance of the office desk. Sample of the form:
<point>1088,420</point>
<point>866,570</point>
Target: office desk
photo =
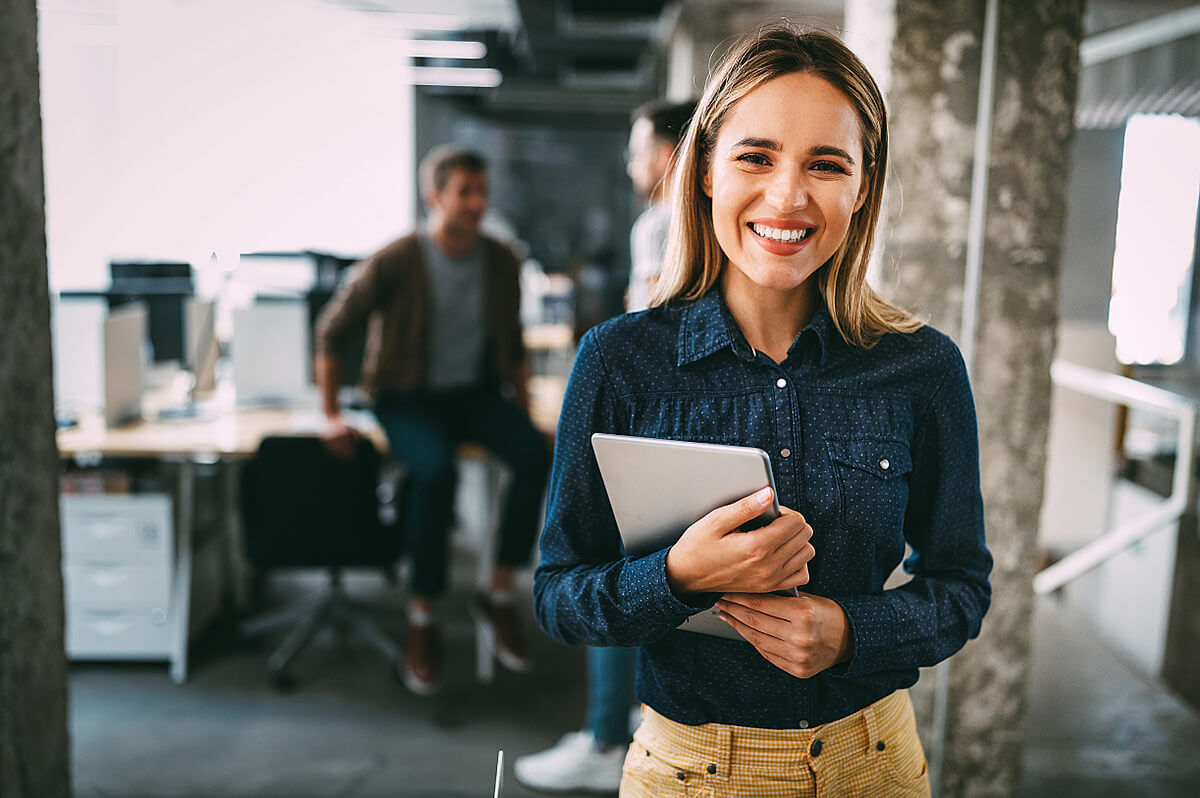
<point>221,438</point>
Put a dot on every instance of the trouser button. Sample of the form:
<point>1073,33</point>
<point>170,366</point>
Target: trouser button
<point>712,768</point>
<point>815,749</point>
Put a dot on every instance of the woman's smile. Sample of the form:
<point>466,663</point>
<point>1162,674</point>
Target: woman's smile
<point>780,236</point>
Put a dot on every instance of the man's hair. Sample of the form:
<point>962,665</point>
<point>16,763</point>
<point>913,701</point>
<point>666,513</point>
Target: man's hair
<point>669,119</point>
<point>443,159</point>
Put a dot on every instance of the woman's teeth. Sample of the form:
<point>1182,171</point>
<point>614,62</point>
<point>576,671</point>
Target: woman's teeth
<point>780,236</point>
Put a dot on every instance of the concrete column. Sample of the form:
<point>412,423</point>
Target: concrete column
<point>34,748</point>
<point>935,84</point>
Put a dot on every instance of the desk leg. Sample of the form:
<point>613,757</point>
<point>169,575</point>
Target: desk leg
<point>237,571</point>
<point>181,583</point>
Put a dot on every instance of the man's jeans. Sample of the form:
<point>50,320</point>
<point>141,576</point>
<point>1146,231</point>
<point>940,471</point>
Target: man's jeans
<point>610,693</point>
<point>423,429</point>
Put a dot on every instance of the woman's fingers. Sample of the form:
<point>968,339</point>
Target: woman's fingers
<point>729,517</point>
<point>712,557</point>
<point>795,570</point>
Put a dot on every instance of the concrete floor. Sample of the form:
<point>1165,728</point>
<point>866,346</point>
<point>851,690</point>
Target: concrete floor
<point>350,731</point>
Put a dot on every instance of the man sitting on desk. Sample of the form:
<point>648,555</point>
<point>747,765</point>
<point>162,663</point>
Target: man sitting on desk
<point>444,344</point>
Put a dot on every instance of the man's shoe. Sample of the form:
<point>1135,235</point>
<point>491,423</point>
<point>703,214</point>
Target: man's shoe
<point>423,660</point>
<point>574,763</point>
<point>501,618</point>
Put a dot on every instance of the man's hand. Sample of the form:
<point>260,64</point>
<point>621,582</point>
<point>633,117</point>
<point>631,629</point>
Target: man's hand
<point>712,556</point>
<point>802,635</point>
<point>339,437</point>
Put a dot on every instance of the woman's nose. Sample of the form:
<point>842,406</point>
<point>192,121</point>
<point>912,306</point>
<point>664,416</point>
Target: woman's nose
<point>788,192</point>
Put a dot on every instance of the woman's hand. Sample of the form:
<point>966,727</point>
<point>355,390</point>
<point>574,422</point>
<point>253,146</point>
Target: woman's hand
<point>802,635</point>
<point>713,557</point>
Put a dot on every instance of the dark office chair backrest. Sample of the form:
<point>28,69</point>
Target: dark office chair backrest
<point>303,507</point>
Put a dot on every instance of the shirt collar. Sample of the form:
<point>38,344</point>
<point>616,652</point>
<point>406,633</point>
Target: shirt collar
<point>708,326</point>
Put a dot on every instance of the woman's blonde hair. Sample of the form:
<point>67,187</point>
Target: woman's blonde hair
<point>694,258</point>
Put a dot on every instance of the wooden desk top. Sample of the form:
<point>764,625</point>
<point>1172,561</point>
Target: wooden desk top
<point>236,432</point>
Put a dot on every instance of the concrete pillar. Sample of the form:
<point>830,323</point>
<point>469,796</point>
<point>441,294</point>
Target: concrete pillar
<point>935,85</point>
<point>34,750</point>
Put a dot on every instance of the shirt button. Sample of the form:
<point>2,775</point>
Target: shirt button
<point>781,383</point>
<point>803,724</point>
<point>785,453</point>
<point>885,464</point>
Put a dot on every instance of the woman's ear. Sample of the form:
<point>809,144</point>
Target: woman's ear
<point>863,190</point>
<point>706,177</point>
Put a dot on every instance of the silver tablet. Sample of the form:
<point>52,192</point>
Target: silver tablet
<point>658,488</point>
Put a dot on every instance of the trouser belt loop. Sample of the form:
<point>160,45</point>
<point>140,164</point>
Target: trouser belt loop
<point>722,750</point>
<point>872,724</point>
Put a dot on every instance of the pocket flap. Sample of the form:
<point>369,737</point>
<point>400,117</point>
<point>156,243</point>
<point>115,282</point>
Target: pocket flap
<point>880,457</point>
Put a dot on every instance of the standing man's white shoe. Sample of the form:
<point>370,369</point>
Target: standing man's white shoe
<point>575,762</point>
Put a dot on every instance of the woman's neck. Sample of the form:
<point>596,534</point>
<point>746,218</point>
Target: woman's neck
<point>769,319</point>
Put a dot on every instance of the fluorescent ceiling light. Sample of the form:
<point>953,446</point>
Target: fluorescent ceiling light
<point>428,48</point>
<point>454,76</point>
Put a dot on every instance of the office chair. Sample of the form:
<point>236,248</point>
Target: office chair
<point>304,508</point>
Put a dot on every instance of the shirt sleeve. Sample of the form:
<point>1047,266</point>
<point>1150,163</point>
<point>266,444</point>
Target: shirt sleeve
<point>932,616</point>
<point>347,311</point>
<point>585,590</point>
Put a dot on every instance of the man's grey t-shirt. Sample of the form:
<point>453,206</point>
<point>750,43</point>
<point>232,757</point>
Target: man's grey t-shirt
<point>457,324</point>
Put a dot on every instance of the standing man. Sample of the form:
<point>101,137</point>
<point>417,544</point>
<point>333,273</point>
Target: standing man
<point>591,759</point>
<point>657,126</point>
<point>445,363</point>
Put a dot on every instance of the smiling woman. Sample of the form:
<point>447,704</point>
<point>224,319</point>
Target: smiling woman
<point>868,420</point>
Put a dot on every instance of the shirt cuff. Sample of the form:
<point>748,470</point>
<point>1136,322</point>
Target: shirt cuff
<point>873,630</point>
<point>644,585</point>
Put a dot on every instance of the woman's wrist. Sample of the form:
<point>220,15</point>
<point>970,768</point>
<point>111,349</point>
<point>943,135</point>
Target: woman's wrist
<point>679,584</point>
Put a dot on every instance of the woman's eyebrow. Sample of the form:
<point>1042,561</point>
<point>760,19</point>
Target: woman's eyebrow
<point>828,149</point>
<point>762,144</point>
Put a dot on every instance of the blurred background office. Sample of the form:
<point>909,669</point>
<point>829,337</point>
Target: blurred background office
<point>212,167</point>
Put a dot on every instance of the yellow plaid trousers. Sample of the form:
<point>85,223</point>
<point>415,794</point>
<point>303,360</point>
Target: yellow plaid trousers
<point>873,753</point>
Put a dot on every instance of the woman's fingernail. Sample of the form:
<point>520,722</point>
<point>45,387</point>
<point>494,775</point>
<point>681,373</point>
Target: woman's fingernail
<point>763,496</point>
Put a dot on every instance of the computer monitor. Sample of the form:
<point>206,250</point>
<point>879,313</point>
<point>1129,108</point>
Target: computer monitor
<point>124,335</point>
<point>165,314</point>
<point>202,346</point>
<point>78,344</point>
<point>314,277</point>
<point>270,352</point>
<point>164,288</point>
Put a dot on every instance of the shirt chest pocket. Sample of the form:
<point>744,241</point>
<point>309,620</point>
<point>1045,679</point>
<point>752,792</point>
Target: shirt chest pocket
<point>872,482</point>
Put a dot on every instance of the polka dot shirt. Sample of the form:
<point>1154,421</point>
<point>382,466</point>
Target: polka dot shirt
<point>876,447</point>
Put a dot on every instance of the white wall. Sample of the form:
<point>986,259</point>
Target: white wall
<point>176,129</point>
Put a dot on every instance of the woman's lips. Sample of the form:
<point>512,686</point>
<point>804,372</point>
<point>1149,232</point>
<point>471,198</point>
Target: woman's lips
<point>794,239</point>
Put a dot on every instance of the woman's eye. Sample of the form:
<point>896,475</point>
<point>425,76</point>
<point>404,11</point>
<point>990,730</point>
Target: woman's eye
<point>755,158</point>
<point>829,166</point>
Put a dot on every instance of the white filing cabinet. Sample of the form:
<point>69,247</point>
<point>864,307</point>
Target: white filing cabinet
<point>118,565</point>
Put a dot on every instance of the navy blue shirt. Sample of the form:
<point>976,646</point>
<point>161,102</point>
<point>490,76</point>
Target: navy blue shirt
<point>875,447</point>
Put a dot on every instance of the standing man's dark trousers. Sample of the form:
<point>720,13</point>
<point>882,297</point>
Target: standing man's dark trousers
<point>423,428</point>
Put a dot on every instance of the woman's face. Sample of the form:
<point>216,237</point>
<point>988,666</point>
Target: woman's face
<point>785,178</point>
